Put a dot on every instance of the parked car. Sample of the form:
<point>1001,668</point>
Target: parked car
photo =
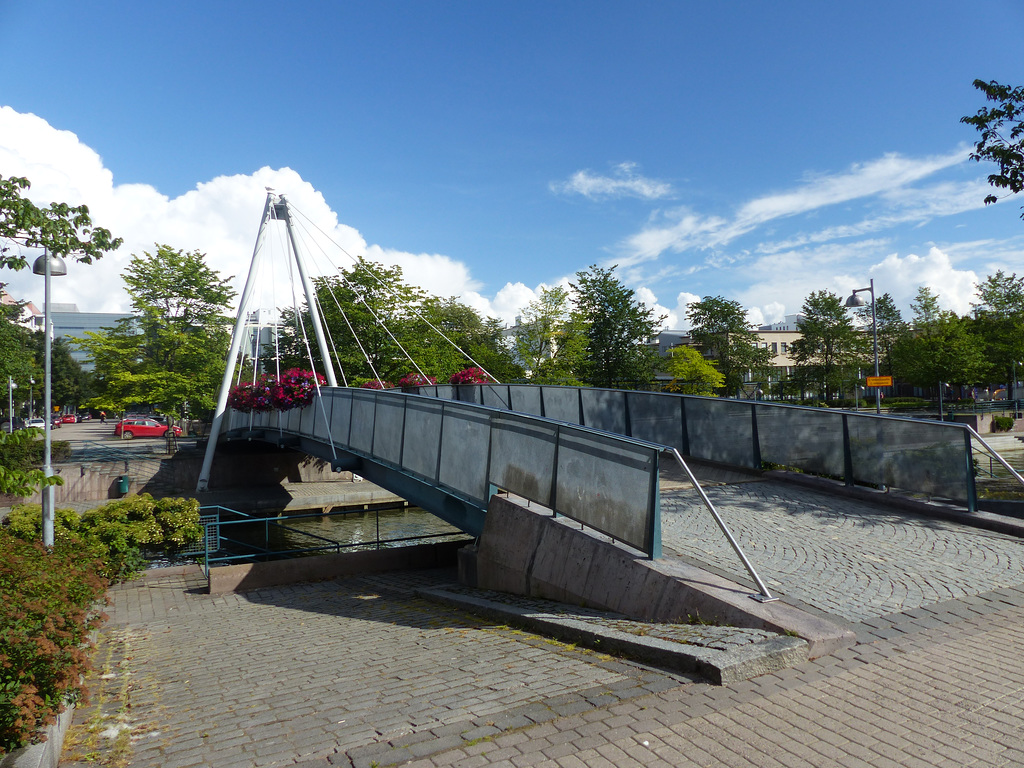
<point>35,423</point>
<point>69,418</point>
<point>129,428</point>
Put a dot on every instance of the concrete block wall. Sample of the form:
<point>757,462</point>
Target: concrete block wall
<point>525,552</point>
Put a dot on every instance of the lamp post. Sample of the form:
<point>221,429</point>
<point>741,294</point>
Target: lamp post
<point>31,398</point>
<point>48,265</point>
<point>858,301</point>
<point>11,386</point>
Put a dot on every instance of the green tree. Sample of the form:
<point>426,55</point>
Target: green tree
<point>171,351</point>
<point>62,229</point>
<point>999,322</point>
<point>943,347</point>
<point>1002,136</point>
<point>831,348</point>
<point>380,326</point>
<point>551,341</point>
<point>691,373</point>
<point>619,330</point>
<point>16,344</point>
<point>892,330</point>
<point>720,329</point>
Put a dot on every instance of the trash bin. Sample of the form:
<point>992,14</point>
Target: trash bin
<point>122,484</point>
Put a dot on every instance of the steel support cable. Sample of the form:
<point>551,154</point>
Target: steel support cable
<point>355,336</point>
<point>327,328</point>
<point>312,366</point>
<point>384,285</point>
<point>765,595</point>
<point>380,322</point>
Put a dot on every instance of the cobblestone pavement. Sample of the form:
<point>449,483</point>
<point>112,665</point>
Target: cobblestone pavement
<point>321,670</point>
<point>359,672</point>
<point>847,558</point>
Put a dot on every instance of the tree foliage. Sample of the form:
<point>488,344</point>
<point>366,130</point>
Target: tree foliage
<point>60,228</point>
<point>171,351</point>
<point>1002,135</point>
<point>551,339</point>
<point>721,331</point>
<point>892,331</point>
<point>381,327</point>
<point>619,329</point>
<point>692,374</point>
<point>831,348</point>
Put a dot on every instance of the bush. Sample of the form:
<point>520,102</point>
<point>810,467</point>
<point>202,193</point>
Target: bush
<point>46,615</point>
<point>1002,423</point>
<point>118,533</point>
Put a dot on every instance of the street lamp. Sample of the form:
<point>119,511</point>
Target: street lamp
<point>48,265</point>
<point>11,386</point>
<point>31,398</point>
<point>858,301</point>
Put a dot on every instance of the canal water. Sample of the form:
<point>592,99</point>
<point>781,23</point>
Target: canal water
<point>346,532</point>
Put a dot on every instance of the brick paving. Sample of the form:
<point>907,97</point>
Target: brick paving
<point>359,672</point>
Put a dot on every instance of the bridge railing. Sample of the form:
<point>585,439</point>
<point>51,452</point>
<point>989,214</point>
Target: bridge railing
<point>608,482</point>
<point>928,458</point>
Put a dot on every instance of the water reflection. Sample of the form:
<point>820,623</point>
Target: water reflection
<point>350,531</point>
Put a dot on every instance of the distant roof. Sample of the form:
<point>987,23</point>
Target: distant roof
<point>54,307</point>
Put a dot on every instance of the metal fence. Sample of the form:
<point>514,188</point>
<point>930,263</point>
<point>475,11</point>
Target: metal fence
<point>608,482</point>
<point>928,458</point>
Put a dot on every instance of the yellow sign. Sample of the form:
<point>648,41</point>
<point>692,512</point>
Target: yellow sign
<point>879,381</point>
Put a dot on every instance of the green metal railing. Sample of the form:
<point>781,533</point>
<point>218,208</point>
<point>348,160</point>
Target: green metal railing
<point>219,546</point>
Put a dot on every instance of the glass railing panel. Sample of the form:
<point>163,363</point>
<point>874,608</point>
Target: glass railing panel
<point>525,398</point>
<point>361,433</point>
<point>606,483</point>
<point>561,403</point>
<point>807,439</point>
<point>523,456</point>
<point>388,425</point>
<point>918,456</point>
<point>720,430</point>
<point>656,418</point>
<point>603,409</point>
<point>465,442</point>
<point>423,437</point>
<point>495,395</point>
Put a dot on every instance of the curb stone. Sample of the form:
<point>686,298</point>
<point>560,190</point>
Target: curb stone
<point>756,652</point>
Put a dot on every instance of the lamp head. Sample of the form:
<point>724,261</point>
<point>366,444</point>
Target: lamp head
<point>856,300</point>
<point>57,266</point>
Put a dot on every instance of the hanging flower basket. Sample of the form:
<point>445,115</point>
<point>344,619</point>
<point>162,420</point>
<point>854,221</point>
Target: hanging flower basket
<point>416,380</point>
<point>294,388</point>
<point>471,376</point>
<point>374,384</point>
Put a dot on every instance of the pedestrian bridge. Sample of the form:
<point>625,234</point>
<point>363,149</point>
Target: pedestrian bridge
<point>593,455</point>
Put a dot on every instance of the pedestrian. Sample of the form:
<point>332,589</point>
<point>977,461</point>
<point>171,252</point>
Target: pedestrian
<point>103,417</point>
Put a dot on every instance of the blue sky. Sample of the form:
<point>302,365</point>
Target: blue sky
<point>753,150</point>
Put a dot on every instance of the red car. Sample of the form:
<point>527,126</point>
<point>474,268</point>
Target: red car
<point>69,418</point>
<point>137,427</point>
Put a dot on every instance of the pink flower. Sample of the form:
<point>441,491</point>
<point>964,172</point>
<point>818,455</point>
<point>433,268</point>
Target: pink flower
<point>471,376</point>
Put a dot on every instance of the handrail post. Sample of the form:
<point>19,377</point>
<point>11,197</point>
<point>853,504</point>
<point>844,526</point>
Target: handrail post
<point>765,596</point>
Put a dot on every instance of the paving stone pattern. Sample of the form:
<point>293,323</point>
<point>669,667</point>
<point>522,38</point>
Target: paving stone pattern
<point>319,670</point>
<point>359,672</point>
<point>848,558</point>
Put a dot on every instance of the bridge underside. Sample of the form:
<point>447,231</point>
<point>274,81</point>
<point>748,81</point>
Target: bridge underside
<point>461,513</point>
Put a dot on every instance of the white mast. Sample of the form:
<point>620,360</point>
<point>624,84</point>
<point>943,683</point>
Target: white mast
<point>236,343</point>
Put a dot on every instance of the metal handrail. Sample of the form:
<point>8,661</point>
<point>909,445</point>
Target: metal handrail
<point>995,453</point>
<point>765,596</point>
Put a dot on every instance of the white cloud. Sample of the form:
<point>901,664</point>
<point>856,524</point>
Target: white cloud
<point>902,276</point>
<point>219,217</point>
<point>624,182</point>
<point>888,177</point>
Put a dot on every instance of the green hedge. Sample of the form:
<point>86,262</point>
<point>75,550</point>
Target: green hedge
<point>46,615</point>
<point>117,533</point>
